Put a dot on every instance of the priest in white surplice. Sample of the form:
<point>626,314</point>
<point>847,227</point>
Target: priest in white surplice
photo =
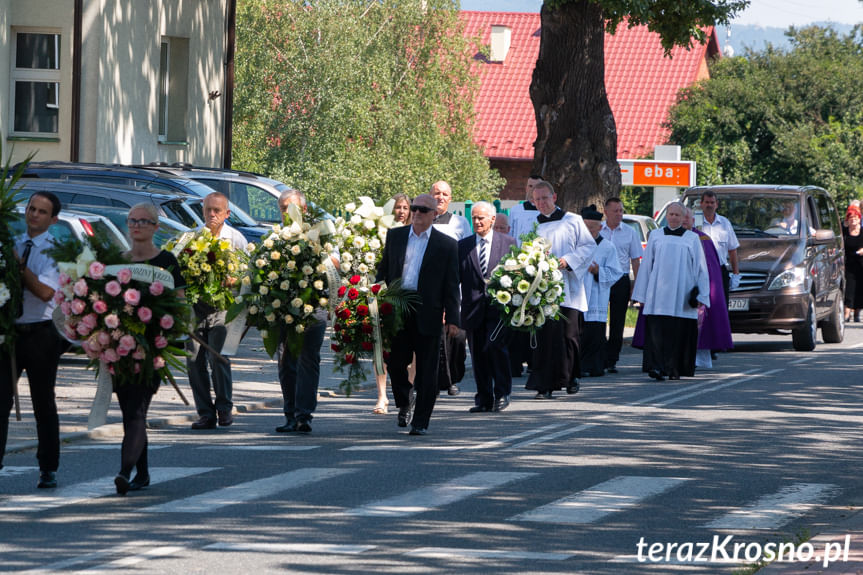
<point>556,362</point>
<point>672,282</point>
<point>603,272</point>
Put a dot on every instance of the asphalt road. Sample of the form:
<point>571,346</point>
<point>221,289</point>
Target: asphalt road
<point>764,449</point>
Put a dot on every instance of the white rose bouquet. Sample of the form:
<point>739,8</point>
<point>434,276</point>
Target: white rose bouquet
<point>527,286</point>
<point>361,236</point>
<point>286,281</point>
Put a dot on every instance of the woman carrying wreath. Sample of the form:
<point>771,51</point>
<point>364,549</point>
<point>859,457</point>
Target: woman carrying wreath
<point>134,399</point>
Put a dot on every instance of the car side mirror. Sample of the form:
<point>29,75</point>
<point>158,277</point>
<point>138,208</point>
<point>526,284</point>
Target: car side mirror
<point>824,235</point>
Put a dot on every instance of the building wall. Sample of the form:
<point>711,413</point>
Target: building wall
<point>120,124</point>
<point>516,173</point>
<point>44,16</point>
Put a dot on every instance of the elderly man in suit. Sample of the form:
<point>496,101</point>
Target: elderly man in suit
<point>478,255</point>
<point>426,260</point>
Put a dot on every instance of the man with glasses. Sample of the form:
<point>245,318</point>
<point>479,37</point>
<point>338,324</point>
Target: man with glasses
<point>556,362</point>
<point>37,346</point>
<point>425,260</point>
<point>211,328</point>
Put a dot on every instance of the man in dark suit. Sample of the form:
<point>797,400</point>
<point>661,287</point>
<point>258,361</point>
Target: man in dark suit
<point>426,260</point>
<point>478,255</point>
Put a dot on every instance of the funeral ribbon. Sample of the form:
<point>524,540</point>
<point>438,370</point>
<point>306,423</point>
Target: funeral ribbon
<point>376,334</point>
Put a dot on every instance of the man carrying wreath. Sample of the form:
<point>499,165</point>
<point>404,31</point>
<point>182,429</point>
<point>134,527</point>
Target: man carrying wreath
<point>211,328</point>
<point>556,362</point>
<point>425,260</point>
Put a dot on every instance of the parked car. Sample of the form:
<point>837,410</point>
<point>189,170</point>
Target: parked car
<point>642,225</point>
<point>76,224</point>
<point>150,180</point>
<point>257,195</point>
<point>176,207</point>
<point>168,229</point>
<point>792,276</point>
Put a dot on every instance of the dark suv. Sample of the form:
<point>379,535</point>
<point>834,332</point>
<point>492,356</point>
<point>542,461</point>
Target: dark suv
<point>791,259</point>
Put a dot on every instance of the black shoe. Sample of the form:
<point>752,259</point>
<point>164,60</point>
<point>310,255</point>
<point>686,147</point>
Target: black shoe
<point>543,395</point>
<point>289,426</point>
<point>418,431</point>
<point>139,482</point>
<point>611,369</point>
<point>304,426</point>
<point>674,377</point>
<point>404,417</point>
<point>452,390</point>
<point>205,422</point>
<point>47,480</point>
<point>501,404</point>
<point>122,483</point>
<point>479,409</point>
<point>714,355</point>
<point>226,418</point>
<point>573,387</point>
<point>656,375</point>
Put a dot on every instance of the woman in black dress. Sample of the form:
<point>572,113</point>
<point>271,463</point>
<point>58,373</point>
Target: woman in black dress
<point>143,221</point>
<point>853,264</point>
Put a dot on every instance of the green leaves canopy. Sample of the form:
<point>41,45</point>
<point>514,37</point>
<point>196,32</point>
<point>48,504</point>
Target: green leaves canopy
<point>343,98</point>
<point>782,117</point>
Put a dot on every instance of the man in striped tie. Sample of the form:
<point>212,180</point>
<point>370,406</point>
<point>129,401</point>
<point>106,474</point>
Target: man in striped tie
<point>478,256</point>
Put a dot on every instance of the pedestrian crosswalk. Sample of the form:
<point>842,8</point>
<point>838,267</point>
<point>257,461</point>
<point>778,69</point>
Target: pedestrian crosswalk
<point>592,504</point>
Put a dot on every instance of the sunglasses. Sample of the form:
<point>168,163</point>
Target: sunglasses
<point>421,209</point>
<point>133,223</point>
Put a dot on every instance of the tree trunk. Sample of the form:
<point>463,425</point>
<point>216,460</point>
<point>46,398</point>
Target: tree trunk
<point>576,142</point>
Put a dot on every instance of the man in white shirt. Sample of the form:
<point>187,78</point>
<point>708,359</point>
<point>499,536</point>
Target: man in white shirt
<point>211,328</point>
<point>629,252</point>
<point>724,239</point>
<point>453,348</point>
<point>37,346</point>
<point>522,216</point>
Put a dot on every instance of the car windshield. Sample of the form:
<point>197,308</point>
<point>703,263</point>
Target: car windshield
<point>757,215</point>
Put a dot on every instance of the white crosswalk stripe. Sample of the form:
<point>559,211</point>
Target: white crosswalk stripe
<point>294,548</point>
<point>428,498</point>
<point>591,505</point>
<point>259,447</point>
<point>81,492</point>
<point>248,491</point>
<point>448,553</point>
<point>775,510</point>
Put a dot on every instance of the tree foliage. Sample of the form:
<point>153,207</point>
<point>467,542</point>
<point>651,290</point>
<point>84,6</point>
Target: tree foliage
<point>780,116</point>
<point>576,145</point>
<point>343,98</point>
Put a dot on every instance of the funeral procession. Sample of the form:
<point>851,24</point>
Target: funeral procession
<point>364,286</point>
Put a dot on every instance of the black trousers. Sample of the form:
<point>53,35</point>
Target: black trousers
<point>618,302</point>
<point>37,350</point>
<point>410,341</point>
<point>556,362</point>
<point>490,361</point>
<point>670,344</point>
<point>593,346</point>
<point>134,402</point>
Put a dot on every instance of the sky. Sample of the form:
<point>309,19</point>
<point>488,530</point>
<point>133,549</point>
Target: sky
<point>779,13</point>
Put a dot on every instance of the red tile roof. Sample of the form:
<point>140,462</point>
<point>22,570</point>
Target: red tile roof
<point>642,85</point>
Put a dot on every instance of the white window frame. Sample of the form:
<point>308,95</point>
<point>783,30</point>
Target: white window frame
<point>34,75</point>
<point>164,90</point>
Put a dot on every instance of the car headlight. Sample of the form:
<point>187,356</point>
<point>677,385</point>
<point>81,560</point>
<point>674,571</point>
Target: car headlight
<point>790,278</point>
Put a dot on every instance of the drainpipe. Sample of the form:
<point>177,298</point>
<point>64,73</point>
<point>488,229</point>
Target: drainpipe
<point>231,40</point>
<point>77,36</point>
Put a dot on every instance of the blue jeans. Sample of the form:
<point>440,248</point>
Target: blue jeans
<point>299,376</point>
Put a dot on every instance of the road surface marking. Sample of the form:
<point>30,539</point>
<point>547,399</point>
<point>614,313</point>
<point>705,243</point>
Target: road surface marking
<point>248,491</point>
<point>95,488</point>
<point>774,511</point>
<point>556,435</point>
<point>452,553</point>
<point>513,438</point>
<point>612,496</point>
<point>677,398</point>
<point>260,447</point>
<point>428,498</point>
<point>153,553</point>
<point>325,548</point>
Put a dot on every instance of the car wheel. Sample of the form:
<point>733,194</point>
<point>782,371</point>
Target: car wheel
<point>833,330</point>
<point>803,338</point>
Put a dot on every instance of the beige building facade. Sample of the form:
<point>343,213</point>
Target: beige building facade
<point>115,81</point>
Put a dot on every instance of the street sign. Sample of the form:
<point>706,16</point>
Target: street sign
<point>654,173</point>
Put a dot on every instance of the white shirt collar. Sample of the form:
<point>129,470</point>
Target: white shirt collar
<point>425,234</point>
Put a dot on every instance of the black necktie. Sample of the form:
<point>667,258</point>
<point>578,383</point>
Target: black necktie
<point>28,245</point>
<point>483,258</point>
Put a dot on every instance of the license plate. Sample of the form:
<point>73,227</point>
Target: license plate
<point>738,304</point>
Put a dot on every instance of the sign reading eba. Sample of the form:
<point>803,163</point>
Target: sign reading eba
<point>654,173</point>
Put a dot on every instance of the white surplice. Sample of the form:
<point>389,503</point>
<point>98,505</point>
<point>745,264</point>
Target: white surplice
<point>598,288</point>
<point>571,240</point>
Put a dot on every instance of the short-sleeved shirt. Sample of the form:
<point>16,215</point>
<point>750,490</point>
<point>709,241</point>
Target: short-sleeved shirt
<point>45,269</point>
<point>723,236</point>
<point>625,241</point>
